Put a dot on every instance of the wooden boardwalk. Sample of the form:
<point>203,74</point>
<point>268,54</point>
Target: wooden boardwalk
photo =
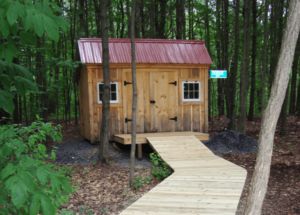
<point>202,183</point>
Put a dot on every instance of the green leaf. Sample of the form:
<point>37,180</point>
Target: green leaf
<point>18,195</point>
<point>3,199</point>
<point>5,80</point>
<point>47,206</point>
<point>4,28</point>
<point>10,182</point>
<point>7,104</point>
<point>28,21</point>
<point>39,7</point>
<point>60,22</point>
<point>51,28</point>
<point>47,8</point>
<point>28,182</point>
<point>35,204</point>
<point>56,8</point>
<point>29,84</point>
<point>42,175</point>
<point>7,171</point>
<point>38,24</point>
<point>19,85</point>
<point>4,2</point>
<point>12,13</point>
<point>22,71</point>
<point>66,185</point>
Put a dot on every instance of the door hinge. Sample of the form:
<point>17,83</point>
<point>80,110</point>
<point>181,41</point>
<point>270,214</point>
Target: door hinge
<point>127,120</point>
<point>152,102</point>
<point>175,118</point>
<point>125,83</point>
<point>175,83</point>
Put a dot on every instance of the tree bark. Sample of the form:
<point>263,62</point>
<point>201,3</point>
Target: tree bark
<point>283,114</point>
<point>232,87</point>
<point>178,20</point>
<point>245,68</point>
<point>254,35</point>
<point>134,95</point>
<point>111,19</point>
<point>104,139</point>
<point>259,182</point>
<point>265,58</point>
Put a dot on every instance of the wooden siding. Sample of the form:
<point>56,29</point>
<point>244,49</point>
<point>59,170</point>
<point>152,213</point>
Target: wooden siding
<point>152,84</point>
<point>84,104</point>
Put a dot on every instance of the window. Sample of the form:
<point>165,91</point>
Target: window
<point>191,91</point>
<point>113,92</point>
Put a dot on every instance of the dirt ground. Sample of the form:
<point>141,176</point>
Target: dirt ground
<point>104,189</point>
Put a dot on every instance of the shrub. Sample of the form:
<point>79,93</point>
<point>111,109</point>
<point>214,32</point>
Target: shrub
<point>29,185</point>
<point>159,168</point>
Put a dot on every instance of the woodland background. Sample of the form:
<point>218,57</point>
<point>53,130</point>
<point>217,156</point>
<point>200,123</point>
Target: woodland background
<point>242,37</point>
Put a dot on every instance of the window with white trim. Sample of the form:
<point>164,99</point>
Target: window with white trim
<point>113,92</point>
<point>191,91</point>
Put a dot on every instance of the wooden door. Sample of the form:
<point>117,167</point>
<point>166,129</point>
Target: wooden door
<point>163,101</point>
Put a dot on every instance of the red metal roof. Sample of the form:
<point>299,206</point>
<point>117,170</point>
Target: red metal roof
<point>147,51</point>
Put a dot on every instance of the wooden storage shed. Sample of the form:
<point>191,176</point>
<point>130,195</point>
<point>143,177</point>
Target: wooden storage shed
<point>172,84</point>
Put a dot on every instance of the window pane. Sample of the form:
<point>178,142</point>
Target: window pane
<point>114,96</point>
<point>191,95</point>
<point>100,96</point>
<point>186,95</point>
<point>191,86</point>
<point>185,87</point>
<point>101,88</point>
<point>197,86</point>
<point>196,95</point>
<point>113,88</point>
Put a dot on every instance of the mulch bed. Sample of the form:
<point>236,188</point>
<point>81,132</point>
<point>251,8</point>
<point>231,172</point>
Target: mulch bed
<point>104,189</point>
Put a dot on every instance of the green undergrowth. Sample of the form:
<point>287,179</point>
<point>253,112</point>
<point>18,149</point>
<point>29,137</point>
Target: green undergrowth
<point>28,184</point>
<point>159,169</point>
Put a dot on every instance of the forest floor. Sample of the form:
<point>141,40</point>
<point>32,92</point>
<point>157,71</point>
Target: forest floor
<point>103,189</point>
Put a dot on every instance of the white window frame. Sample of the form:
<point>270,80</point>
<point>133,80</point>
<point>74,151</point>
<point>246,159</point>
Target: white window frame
<point>191,100</point>
<point>110,101</point>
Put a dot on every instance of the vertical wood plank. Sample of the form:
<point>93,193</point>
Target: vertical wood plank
<point>124,95</point>
<point>186,117</point>
<point>152,106</point>
<point>113,74</point>
<point>206,100</point>
<point>91,104</point>
<point>140,152</point>
<point>147,108</point>
<point>100,73</point>
<point>171,101</point>
<point>196,118</point>
<point>140,78</point>
<point>185,73</point>
<point>129,101</point>
<point>180,118</point>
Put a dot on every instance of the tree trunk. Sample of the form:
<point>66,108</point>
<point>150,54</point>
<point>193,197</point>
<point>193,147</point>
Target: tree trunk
<point>111,19</point>
<point>232,87</point>
<point>254,35</point>
<point>162,23</point>
<point>178,20</point>
<point>128,17</point>
<point>265,58</point>
<point>245,68</point>
<point>134,95</point>
<point>20,108</point>
<point>142,19</point>
<point>261,174</point>
<point>294,79</point>
<point>25,110</point>
<point>104,139</point>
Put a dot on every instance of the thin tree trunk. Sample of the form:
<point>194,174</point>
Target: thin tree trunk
<point>111,19</point>
<point>20,108</point>
<point>134,95</point>
<point>232,87</point>
<point>25,110</point>
<point>104,138</point>
<point>265,58</point>
<point>252,92</point>
<point>178,20</point>
<point>245,68</point>
<point>259,182</point>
